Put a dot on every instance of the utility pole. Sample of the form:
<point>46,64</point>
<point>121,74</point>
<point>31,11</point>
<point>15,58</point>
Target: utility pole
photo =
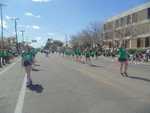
<point>2,27</point>
<point>22,32</point>
<point>16,32</point>
<point>66,40</point>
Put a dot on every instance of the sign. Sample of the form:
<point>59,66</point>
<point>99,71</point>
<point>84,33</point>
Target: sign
<point>34,41</point>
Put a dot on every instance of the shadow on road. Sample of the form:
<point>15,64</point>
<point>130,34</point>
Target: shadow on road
<point>36,87</point>
<point>139,78</point>
<point>33,69</point>
<point>93,65</point>
<point>36,65</point>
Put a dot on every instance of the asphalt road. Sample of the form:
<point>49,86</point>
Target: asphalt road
<point>63,86</point>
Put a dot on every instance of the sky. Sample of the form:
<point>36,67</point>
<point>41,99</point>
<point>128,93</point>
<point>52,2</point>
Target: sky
<point>43,19</point>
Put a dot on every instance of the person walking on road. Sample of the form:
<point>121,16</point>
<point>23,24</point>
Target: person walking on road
<point>27,63</point>
<point>123,59</point>
<point>87,55</point>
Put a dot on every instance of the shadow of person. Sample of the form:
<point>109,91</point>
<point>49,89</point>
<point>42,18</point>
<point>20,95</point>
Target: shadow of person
<point>33,69</point>
<point>139,78</point>
<point>36,65</point>
<point>93,65</point>
<point>36,87</point>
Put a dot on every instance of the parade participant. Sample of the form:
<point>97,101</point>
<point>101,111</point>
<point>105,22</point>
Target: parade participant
<point>92,53</point>
<point>123,59</point>
<point>96,54</point>
<point>83,57</point>
<point>76,55</point>
<point>73,55</point>
<point>79,55</point>
<point>87,54</point>
<point>6,56</point>
<point>27,63</point>
<point>1,57</point>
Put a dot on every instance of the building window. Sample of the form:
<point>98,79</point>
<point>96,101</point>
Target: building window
<point>147,42</point>
<point>138,43</point>
<point>129,19</point>
<point>148,13</point>
<point>122,21</point>
<point>117,23</point>
<point>134,18</point>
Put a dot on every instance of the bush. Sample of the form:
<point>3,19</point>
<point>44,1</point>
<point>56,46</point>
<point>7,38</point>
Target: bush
<point>133,51</point>
<point>140,50</point>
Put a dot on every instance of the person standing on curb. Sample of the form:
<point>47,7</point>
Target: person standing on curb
<point>123,59</point>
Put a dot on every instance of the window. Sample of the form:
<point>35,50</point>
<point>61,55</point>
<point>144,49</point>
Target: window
<point>128,19</point>
<point>134,18</point>
<point>148,13</point>
<point>138,43</point>
<point>117,23</point>
<point>122,21</point>
<point>147,42</point>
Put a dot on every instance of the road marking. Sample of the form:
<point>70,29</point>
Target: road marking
<point>9,67</point>
<point>20,102</point>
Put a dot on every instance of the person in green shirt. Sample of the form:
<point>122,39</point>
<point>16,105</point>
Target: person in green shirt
<point>27,59</point>
<point>87,55</point>
<point>78,54</point>
<point>6,57</point>
<point>1,58</point>
<point>123,59</point>
<point>92,53</point>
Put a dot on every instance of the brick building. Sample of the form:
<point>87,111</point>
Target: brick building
<point>131,28</point>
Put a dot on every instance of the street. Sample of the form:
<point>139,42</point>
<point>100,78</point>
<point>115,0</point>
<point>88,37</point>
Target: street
<point>61,85</point>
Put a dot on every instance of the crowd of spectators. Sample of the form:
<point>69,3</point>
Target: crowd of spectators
<point>137,56</point>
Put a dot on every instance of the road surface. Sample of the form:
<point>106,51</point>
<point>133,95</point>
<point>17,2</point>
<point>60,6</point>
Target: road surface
<point>63,86</point>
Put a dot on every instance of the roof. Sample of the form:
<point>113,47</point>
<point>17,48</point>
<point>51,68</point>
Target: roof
<point>131,11</point>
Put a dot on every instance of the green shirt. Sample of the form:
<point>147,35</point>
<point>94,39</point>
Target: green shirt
<point>27,56</point>
<point>87,53</point>
<point>122,53</point>
<point>1,53</point>
<point>92,53</point>
<point>5,53</point>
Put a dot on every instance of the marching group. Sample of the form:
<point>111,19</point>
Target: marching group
<point>82,56</point>
<point>85,56</point>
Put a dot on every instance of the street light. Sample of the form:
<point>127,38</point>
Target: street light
<point>15,21</point>
<point>22,32</point>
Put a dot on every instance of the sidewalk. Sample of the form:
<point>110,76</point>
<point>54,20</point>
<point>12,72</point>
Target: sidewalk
<point>11,61</point>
